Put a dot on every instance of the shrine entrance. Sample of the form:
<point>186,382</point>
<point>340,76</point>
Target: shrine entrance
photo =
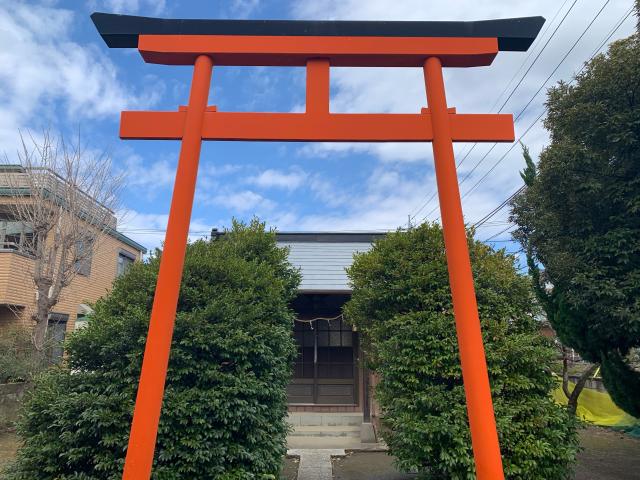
<point>325,371</point>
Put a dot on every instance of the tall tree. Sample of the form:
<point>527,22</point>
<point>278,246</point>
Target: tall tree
<point>581,215</point>
<point>61,203</point>
<point>547,297</point>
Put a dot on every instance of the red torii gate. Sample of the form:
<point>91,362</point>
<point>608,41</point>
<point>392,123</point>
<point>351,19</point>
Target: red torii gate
<point>316,45</point>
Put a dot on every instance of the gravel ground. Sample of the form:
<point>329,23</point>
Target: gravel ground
<point>607,455</point>
<point>290,469</point>
<point>367,466</point>
<point>8,447</point>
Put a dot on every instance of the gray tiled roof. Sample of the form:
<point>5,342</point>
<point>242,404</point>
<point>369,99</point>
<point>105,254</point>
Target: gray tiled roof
<point>322,265</point>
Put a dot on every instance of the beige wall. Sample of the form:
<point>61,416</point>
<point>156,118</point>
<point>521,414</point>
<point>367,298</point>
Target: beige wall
<point>14,278</point>
<point>16,285</point>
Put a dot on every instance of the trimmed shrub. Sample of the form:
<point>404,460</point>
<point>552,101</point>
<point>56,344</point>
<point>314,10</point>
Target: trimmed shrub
<point>224,410</point>
<point>402,305</point>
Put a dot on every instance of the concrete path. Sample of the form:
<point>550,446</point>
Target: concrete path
<point>313,443</point>
<point>315,464</point>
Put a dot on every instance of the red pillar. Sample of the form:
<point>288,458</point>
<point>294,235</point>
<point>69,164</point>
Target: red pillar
<point>484,436</point>
<point>146,415</point>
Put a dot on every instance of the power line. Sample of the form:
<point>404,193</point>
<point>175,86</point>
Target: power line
<point>499,233</point>
<point>493,223</point>
<point>564,58</point>
<point>501,158</point>
<point>484,219</point>
<point>535,95</point>
<point>540,37</point>
<point>436,190</point>
<point>493,167</point>
<point>540,53</point>
<point>614,30</point>
<point>595,52</point>
<point>495,164</point>
<point>433,195</point>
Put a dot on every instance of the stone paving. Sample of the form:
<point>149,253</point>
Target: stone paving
<point>315,464</point>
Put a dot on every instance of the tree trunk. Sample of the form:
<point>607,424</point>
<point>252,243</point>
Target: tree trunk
<point>39,333</point>
<point>41,315</point>
<point>565,372</point>
<point>572,403</point>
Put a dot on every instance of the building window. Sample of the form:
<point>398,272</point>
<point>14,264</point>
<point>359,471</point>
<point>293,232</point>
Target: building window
<point>15,234</point>
<point>125,260</point>
<point>84,256</point>
<point>56,330</point>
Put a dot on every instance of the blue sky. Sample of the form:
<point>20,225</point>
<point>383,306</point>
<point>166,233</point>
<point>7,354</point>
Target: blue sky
<point>55,72</point>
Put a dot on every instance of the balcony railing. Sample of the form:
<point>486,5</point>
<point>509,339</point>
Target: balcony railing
<point>16,248</point>
<point>20,181</point>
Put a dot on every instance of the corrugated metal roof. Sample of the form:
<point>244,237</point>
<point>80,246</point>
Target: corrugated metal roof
<point>323,265</point>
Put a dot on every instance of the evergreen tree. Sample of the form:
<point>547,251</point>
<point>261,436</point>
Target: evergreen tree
<point>550,302</point>
<point>581,215</point>
<point>224,407</point>
<point>402,306</point>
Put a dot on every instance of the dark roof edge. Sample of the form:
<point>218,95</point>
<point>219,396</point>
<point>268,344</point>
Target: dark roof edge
<point>321,291</point>
<point>319,237</point>
<point>122,31</point>
<point>329,237</point>
<point>126,240</point>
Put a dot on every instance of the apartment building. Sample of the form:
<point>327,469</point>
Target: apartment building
<point>109,257</point>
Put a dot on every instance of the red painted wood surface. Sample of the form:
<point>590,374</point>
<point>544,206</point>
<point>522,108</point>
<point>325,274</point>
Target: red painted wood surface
<point>295,51</point>
<point>308,127</point>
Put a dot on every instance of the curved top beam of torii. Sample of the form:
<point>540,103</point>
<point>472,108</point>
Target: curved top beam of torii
<point>293,42</point>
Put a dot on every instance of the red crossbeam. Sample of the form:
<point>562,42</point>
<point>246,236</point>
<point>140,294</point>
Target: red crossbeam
<point>306,127</point>
<point>296,51</point>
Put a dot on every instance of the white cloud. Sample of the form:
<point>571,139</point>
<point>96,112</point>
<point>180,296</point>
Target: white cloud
<point>327,192</point>
<point>142,7</point>
<point>244,8</point>
<point>158,174</point>
<point>278,179</point>
<point>380,205</point>
<point>244,201</point>
<point>148,229</point>
<point>44,74</point>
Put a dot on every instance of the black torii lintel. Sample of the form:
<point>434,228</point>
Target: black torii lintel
<point>122,31</point>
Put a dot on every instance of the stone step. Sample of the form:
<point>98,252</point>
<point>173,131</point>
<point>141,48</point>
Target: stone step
<point>325,419</point>
<point>326,431</point>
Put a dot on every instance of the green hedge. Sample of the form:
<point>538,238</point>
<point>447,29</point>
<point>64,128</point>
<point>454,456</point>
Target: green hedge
<point>224,408</point>
<point>402,305</point>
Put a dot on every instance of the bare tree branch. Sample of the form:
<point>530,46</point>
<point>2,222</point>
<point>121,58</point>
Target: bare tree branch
<point>62,202</point>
